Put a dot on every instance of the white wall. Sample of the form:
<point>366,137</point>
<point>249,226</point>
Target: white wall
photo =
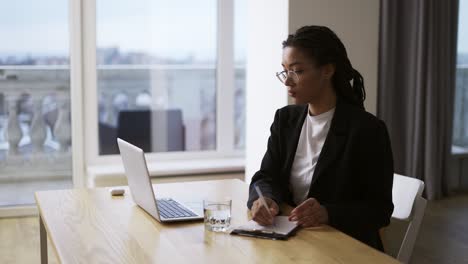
<point>267,28</point>
<point>356,22</point>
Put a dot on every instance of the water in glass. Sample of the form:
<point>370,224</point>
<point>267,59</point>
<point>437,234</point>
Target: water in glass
<point>217,215</point>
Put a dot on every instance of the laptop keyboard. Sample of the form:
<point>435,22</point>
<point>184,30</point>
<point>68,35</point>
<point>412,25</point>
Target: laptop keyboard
<point>169,208</point>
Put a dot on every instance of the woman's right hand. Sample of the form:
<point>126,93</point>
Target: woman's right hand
<point>260,213</point>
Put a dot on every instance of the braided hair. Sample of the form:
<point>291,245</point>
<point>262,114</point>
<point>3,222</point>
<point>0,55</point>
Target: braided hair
<point>323,46</point>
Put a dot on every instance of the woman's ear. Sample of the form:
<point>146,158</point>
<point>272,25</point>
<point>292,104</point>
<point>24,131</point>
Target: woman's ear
<point>328,70</point>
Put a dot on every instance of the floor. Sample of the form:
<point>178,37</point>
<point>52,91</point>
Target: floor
<point>19,241</point>
<point>443,236</point>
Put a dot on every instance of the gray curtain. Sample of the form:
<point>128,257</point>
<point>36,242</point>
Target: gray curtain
<point>417,64</point>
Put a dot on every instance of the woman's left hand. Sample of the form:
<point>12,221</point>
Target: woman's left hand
<point>309,213</point>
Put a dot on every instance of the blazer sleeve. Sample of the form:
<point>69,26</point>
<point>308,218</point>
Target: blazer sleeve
<point>375,175</point>
<point>267,177</point>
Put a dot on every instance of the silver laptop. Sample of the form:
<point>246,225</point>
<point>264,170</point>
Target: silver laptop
<point>164,210</point>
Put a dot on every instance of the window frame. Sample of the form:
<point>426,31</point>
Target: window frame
<point>76,91</point>
<point>85,126</point>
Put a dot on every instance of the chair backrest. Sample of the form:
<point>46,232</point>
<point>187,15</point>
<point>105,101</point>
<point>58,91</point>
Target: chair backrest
<point>153,130</point>
<point>400,236</point>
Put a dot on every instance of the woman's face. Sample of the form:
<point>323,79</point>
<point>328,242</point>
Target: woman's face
<point>312,82</point>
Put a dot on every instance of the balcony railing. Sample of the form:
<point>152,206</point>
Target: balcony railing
<point>35,119</point>
<point>35,125</point>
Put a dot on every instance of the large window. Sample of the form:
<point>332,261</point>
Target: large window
<point>159,75</point>
<point>460,124</point>
<point>35,124</point>
<point>168,76</point>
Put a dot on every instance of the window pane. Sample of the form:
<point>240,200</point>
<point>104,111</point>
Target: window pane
<point>240,47</point>
<point>156,63</point>
<point>460,122</point>
<point>35,125</point>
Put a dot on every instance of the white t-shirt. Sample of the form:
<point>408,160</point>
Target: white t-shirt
<point>313,134</point>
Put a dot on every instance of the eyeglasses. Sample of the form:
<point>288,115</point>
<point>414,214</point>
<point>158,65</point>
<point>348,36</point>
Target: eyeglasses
<point>283,76</point>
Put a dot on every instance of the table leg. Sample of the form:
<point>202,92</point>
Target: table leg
<point>43,238</point>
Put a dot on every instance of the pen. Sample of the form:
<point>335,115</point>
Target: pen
<point>262,200</point>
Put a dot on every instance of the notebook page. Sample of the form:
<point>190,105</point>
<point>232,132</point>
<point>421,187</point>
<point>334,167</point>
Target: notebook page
<point>282,226</point>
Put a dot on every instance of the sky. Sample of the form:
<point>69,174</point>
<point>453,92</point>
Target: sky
<point>34,26</point>
<point>463,27</point>
<point>178,28</point>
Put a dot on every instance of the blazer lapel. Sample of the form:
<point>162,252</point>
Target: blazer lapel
<point>334,142</point>
<point>293,132</point>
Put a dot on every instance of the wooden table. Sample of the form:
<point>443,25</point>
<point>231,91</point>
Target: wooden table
<point>91,226</point>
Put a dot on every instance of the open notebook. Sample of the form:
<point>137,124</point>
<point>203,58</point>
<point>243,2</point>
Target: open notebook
<point>282,229</point>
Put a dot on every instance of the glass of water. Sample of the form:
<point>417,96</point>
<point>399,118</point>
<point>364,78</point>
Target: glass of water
<point>217,215</point>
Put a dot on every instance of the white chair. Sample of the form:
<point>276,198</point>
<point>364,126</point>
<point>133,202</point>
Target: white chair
<point>400,236</point>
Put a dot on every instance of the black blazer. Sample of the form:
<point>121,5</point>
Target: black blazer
<point>353,177</point>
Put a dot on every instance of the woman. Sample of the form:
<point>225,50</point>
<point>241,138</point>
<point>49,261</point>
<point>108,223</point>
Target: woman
<point>326,156</point>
